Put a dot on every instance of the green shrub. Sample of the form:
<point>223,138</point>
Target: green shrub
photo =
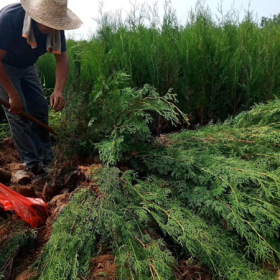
<point>113,115</point>
<point>15,236</point>
<point>216,68</point>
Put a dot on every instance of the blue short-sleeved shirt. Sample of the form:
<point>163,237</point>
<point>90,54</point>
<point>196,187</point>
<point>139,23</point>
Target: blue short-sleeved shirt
<point>19,52</point>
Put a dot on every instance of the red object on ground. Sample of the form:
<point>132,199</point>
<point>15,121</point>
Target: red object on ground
<point>32,210</point>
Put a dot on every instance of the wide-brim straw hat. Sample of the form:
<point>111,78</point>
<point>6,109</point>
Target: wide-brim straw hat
<point>52,13</point>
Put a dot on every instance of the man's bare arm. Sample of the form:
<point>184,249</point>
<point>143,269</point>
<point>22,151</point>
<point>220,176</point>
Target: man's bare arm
<point>62,71</point>
<point>14,98</point>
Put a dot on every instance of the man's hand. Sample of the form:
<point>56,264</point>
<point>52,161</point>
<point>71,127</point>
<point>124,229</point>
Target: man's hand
<point>62,70</point>
<point>15,104</point>
<point>57,101</point>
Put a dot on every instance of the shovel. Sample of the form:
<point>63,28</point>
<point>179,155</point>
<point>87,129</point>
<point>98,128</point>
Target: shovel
<point>30,118</point>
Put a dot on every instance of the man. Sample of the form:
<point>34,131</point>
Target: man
<point>27,31</point>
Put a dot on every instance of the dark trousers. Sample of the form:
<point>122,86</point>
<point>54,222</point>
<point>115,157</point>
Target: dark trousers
<point>32,141</point>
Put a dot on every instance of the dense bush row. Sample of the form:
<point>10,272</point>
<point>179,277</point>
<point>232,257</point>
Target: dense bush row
<point>217,68</point>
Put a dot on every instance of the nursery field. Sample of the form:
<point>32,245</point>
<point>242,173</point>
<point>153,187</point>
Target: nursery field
<point>167,156</point>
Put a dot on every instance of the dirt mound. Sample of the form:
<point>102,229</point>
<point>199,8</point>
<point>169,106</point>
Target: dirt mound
<point>8,153</point>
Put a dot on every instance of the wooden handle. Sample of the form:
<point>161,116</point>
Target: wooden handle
<point>30,118</point>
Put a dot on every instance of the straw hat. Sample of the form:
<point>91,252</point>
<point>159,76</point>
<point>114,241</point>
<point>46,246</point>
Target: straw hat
<point>52,13</point>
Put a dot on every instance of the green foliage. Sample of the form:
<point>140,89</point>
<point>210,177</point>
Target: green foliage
<point>124,214</point>
<point>4,131</point>
<point>215,192</point>
<point>131,115</point>
<point>14,237</point>
<point>228,173</point>
<point>216,68</point>
<point>259,115</point>
<point>274,20</point>
<point>47,69</point>
<point>55,118</point>
<point>115,119</point>
<point>69,251</point>
<point>108,219</point>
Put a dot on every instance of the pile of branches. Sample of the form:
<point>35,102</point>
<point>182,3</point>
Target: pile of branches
<point>211,194</point>
<point>14,236</point>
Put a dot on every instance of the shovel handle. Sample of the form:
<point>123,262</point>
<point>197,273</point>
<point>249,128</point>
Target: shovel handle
<point>30,118</point>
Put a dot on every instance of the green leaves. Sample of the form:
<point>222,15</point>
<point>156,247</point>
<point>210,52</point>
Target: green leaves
<point>131,112</point>
<point>228,172</point>
<point>127,215</point>
<point>111,221</point>
<point>14,237</point>
<point>69,251</point>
